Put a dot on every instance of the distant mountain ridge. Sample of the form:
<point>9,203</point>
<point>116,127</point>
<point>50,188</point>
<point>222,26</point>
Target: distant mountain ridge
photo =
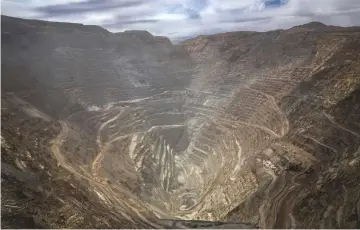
<point>318,26</point>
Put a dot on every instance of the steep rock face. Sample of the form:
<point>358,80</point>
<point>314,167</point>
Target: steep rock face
<point>240,126</point>
<point>283,88</point>
<point>82,60</point>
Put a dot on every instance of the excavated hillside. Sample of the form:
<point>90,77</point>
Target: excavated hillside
<point>127,130</point>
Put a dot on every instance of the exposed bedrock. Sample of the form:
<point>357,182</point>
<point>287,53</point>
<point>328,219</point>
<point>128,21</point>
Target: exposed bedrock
<point>249,127</point>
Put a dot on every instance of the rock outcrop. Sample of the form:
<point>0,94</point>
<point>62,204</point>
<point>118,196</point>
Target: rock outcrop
<point>131,130</point>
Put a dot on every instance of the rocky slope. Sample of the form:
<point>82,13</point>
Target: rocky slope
<point>129,130</point>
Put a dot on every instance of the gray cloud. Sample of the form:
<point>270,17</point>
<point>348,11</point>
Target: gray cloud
<point>85,7</point>
<point>187,18</point>
<point>241,20</point>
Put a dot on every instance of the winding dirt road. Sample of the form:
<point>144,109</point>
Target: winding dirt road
<point>127,205</point>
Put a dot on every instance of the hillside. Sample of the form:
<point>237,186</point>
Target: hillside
<point>122,130</point>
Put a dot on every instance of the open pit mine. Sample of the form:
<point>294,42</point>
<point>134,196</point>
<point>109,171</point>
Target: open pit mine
<point>127,130</point>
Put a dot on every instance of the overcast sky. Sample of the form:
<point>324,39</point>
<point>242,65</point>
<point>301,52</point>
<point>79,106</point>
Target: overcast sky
<point>187,18</point>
